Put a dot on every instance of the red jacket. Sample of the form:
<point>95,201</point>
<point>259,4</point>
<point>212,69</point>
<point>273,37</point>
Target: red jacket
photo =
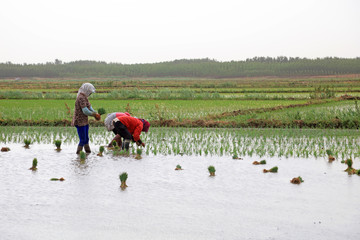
<point>133,125</point>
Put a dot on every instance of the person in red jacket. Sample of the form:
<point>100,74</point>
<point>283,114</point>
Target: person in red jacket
<point>130,128</point>
<point>110,126</point>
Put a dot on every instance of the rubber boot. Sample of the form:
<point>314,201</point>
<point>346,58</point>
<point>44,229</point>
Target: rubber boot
<point>79,149</point>
<point>126,144</point>
<point>87,148</point>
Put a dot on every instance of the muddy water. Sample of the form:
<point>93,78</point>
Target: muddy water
<point>240,202</point>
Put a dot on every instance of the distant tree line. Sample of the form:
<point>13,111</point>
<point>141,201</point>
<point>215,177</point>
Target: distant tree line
<point>254,67</point>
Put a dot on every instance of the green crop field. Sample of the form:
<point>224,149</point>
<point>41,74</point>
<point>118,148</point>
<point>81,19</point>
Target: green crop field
<point>150,109</point>
<point>315,102</point>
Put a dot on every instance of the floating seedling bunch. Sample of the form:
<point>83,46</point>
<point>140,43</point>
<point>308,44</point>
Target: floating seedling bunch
<point>101,150</point>
<point>330,155</point>
<point>27,143</point>
<point>297,180</point>
<point>262,162</point>
<point>272,170</point>
<point>58,145</point>
<point>138,153</point>
<point>123,177</point>
<point>211,170</point>
<point>57,179</point>
<point>34,165</point>
<point>350,169</point>
<point>178,167</point>
<point>5,149</point>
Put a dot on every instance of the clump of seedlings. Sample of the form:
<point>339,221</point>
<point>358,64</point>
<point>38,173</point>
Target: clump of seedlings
<point>101,111</point>
<point>211,170</point>
<point>123,177</point>
<point>5,149</point>
<point>350,169</point>
<point>178,167</point>
<point>57,179</point>
<point>138,154</point>
<point>273,170</point>
<point>235,156</point>
<point>122,152</point>
<point>357,172</point>
<point>330,155</point>
<point>27,143</point>
<point>297,180</point>
<point>114,145</point>
<point>82,155</point>
<point>58,145</point>
<point>101,150</point>
<point>258,163</point>
<point>34,165</point>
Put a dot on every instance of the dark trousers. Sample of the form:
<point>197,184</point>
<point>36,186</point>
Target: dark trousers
<point>122,130</point>
<point>83,133</point>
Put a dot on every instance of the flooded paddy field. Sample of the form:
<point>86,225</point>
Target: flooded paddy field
<point>240,202</point>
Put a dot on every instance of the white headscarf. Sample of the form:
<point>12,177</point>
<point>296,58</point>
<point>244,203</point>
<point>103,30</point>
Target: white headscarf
<point>87,89</point>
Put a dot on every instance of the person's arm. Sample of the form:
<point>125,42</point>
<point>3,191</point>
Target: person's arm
<point>136,135</point>
<point>87,111</point>
<point>91,109</point>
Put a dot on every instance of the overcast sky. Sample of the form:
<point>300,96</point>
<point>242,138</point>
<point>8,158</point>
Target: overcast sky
<point>145,31</point>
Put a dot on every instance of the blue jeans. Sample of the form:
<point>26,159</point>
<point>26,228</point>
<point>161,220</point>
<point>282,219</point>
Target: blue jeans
<point>83,133</point>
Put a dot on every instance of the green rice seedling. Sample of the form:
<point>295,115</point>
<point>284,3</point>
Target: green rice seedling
<point>263,162</point>
<point>122,152</point>
<point>27,142</point>
<point>235,156</point>
<point>101,150</point>
<point>138,154</point>
<point>350,169</point>
<point>101,111</point>
<point>58,145</point>
<point>5,149</point>
<point>57,179</point>
<point>330,155</point>
<point>342,161</point>
<point>178,167</point>
<point>82,155</point>
<point>297,180</point>
<point>349,162</point>
<point>211,170</point>
<point>357,172</point>
<point>273,170</point>
<point>34,165</point>
<point>123,177</point>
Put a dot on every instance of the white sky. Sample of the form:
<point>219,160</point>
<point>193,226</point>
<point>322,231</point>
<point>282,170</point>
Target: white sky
<point>143,31</point>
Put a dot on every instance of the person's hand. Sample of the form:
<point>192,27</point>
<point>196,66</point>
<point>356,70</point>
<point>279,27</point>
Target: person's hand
<point>97,116</point>
<point>140,144</point>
